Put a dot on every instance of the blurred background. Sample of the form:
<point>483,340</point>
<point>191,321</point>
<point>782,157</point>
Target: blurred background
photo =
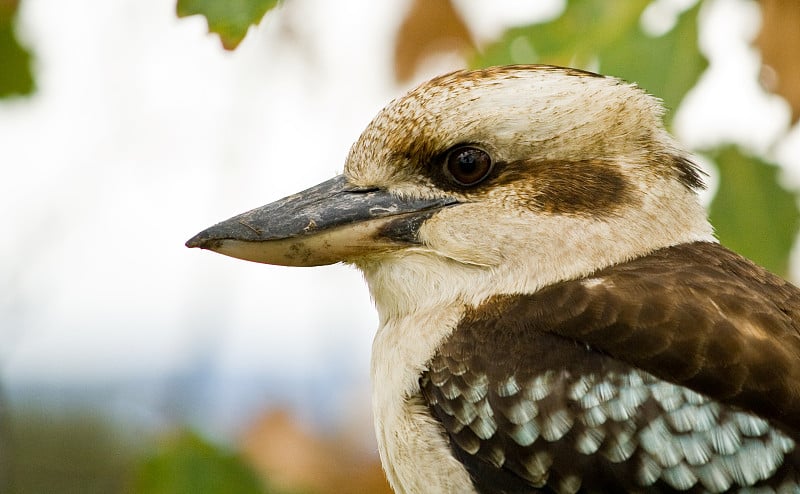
<point>131,364</point>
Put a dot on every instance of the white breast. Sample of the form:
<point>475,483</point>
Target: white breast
<point>413,449</point>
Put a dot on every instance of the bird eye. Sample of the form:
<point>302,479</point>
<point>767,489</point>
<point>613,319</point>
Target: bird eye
<point>467,165</point>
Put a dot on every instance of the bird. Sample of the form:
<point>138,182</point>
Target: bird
<point>555,311</point>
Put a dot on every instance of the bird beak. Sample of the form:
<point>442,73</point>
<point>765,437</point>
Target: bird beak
<point>330,222</point>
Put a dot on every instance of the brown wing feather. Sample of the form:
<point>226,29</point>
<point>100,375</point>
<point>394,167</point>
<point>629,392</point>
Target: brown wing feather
<point>695,314</point>
<point>562,389</point>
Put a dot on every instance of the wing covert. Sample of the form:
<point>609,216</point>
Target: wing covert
<point>540,392</point>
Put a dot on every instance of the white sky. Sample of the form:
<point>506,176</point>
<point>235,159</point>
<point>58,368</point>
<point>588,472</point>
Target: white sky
<point>144,131</point>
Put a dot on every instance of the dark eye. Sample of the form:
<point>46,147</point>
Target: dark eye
<point>467,165</point>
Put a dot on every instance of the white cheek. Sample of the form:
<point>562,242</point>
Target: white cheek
<point>463,233</point>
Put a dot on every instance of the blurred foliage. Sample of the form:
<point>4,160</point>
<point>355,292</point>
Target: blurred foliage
<point>281,448</point>
<point>430,28</point>
<point>68,452</point>
<point>230,19</point>
<point>16,78</point>
<point>77,451</point>
<point>608,37</point>
<point>752,214</point>
<point>189,464</point>
<point>779,43</point>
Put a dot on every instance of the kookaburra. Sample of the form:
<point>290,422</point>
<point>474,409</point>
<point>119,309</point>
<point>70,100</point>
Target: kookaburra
<point>555,312</point>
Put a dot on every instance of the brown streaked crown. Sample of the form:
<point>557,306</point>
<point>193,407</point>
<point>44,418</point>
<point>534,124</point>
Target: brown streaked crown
<point>527,117</point>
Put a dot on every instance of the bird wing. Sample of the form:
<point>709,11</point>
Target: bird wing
<point>679,370</point>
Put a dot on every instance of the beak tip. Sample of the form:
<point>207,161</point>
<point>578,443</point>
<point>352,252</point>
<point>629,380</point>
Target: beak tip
<point>202,241</point>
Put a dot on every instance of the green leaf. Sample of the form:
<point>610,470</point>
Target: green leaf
<point>667,66</point>
<point>190,464</point>
<point>575,39</point>
<point>592,33</point>
<point>229,19</point>
<point>16,78</point>
<point>752,214</point>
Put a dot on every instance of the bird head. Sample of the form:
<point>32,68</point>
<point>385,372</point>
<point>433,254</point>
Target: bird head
<point>482,182</point>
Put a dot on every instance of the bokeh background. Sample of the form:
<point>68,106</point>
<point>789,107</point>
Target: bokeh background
<point>131,364</point>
